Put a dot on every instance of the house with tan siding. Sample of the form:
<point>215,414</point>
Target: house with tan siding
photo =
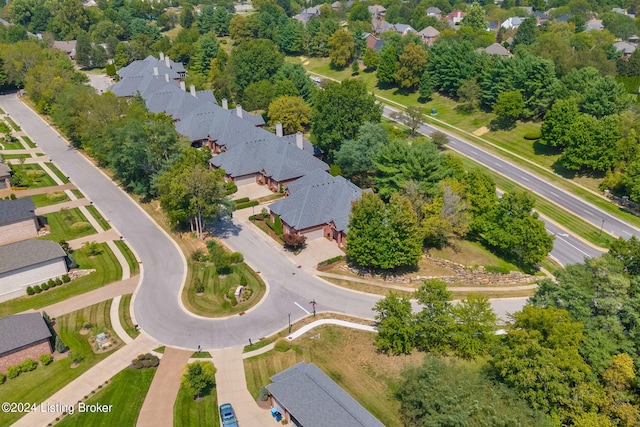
<point>18,220</point>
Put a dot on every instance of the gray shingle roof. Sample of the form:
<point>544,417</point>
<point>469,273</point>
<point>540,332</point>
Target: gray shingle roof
<point>318,198</point>
<point>315,400</point>
<point>146,66</point>
<point>278,158</point>
<point>16,210</point>
<point>495,49</point>
<point>28,252</point>
<point>22,329</point>
<point>5,170</point>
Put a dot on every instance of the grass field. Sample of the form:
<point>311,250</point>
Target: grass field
<point>472,254</point>
<point>35,176</point>
<point>61,225</point>
<point>98,217</point>
<point>77,193</point>
<point>370,377</point>
<point>16,145</point>
<point>37,386</point>
<point>50,198</point>
<point>189,413</point>
<point>213,303</point>
<point>12,124</point>
<point>126,392</point>
<point>10,156</point>
<point>29,142</point>
<point>57,172</point>
<point>134,267</point>
<point>107,270</point>
<point>124,313</point>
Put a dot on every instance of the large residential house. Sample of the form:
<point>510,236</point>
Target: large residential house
<point>307,14</point>
<point>625,47</point>
<point>18,220</point>
<point>242,148</point>
<point>29,263</point>
<point>24,336</point>
<point>434,11</point>
<point>512,23</point>
<point>495,49</point>
<point>455,17</point>
<point>403,29</point>
<point>429,35</point>
<point>5,176</point>
<point>317,205</point>
<point>377,11</point>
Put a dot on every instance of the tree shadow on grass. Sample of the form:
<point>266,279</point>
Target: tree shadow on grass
<point>544,149</point>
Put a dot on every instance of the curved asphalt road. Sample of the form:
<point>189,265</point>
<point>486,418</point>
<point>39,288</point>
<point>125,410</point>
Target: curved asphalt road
<point>156,306</point>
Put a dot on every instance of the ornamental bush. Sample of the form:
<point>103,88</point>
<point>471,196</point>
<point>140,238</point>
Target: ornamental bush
<point>66,278</point>
<point>45,286</point>
<point>28,365</point>
<point>37,289</point>
<point>282,345</point>
<point>45,359</point>
<point>236,258</point>
<point>30,290</point>
<point>13,371</point>
<point>80,227</point>
<point>3,378</point>
<point>58,281</point>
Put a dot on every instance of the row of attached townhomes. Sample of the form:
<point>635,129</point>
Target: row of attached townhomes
<point>316,204</point>
<point>24,261</point>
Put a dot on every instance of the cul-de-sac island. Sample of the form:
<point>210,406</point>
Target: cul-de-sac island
<point>363,213</point>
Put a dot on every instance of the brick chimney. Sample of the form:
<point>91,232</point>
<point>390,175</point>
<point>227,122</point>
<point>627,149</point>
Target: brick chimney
<point>183,86</point>
<point>167,62</point>
<point>192,88</point>
<point>279,129</point>
<point>161,56</point>
<point>239,110</point>
<point>299,140</point>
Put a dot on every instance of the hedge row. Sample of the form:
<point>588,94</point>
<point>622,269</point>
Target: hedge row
<point>242,200</point>
<point>247,204</point>
<point>48,285</point>
<point>27,365</point>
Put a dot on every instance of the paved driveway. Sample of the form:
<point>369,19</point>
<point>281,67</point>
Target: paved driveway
<point>157,305</point>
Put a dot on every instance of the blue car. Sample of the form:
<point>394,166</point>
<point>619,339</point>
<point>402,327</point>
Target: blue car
<point>227,415</point>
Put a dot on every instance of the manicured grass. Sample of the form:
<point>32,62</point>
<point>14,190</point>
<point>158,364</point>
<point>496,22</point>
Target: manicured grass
<point>12,124</point>
<point>61,224</point>
<point>472,254</point>
<point>28,141</point>
<point>160,350</point>
<point>371,378</point>
<point>126,392</point>
<point>189,413</point>
<point>213,303</point>
<point>36,177</point>
<point>1,111</point>
<point>16,145</point>
<point>8,156</point>
<point>107,270</point>
<point>78,193</point>
<point>38,385</point>
<point>134,267</point>
<point>98,217</point>
<point>201,355</point>
<point>57,172</point>
<point>571,222</point>
<point>51,198</point>
<point>124,313</point>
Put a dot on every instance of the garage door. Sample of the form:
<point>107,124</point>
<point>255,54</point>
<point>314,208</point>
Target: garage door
<point>314,234</point>
<point>244,180</point>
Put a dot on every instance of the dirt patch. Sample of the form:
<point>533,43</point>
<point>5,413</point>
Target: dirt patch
<point>481,131</point>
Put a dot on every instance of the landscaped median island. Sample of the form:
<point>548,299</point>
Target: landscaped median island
<point>77,336</point>
<point>219,283</point>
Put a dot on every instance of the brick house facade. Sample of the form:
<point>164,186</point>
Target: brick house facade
<point>24,336</point>
<point>31,351</point>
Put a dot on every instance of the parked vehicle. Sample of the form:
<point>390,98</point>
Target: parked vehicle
<point>228,416</point>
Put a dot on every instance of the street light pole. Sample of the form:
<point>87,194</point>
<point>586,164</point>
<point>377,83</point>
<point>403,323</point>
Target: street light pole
<point>289,322</point>
<point>313,304</point>
<point>601,227</point>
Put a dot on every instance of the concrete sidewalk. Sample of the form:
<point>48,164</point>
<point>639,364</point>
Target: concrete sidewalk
<point>157,409</point>
<point>114,315</point>
<point>59,206</point>
<point>101,237</point>
<point>33,191</point>
<point>231,386</point>
<point>92,297</point>
<point>82,386</point>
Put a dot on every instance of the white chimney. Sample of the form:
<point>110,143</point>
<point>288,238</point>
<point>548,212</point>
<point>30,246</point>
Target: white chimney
<point>279,129</point>
<point>166,77</point>
<point>299,140</point>
<point>183,86</point>
<point>167,62</point>
<point>239,110</point>
<point>192,88</point>
<point>161,56</point>
<point>155,71</point>
<point>225,104</point>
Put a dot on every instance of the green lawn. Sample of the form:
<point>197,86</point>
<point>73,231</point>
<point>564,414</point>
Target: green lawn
<point>58,173</point>
<point>38,385</point>
<point>50,198</point>
<point>16,145</point>
<point>78,193</point>
<point>98,217</point>
<point>34,176</point>
<point>124,313</point>
<point>189,413</point>
<point>62,227</point>
<point>29,142</point>
<point>472,254</point>
<point>15,156</point>
<point>12,124</point>
<point>213,303</point>
<point>107,270</point>
<point>134,267</point>
<point>125,392</point>
<point>371,378</point>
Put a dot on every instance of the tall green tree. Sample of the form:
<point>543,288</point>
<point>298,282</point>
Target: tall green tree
<point>341,48</point>
<point>387,64</point>
<point>435,322</point>
<point>199,378</point>
<point>516,231</point>
<point>451,64</point>
<point>556,129</point>
<point>291,112</point>
<point>592,145</point>
<point>400,162</point>
<point>508,108</point>
<point>474,331</point>
<point>252,61</point>
<point>83,50</point>
<point>394,317</point>
<point>475,18</point>
<point>356,156</point>
<point>412,63</point>
<point>383,236</point>
<point>526,34</point>
<point>339,111</point>
<point>191,193</point>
